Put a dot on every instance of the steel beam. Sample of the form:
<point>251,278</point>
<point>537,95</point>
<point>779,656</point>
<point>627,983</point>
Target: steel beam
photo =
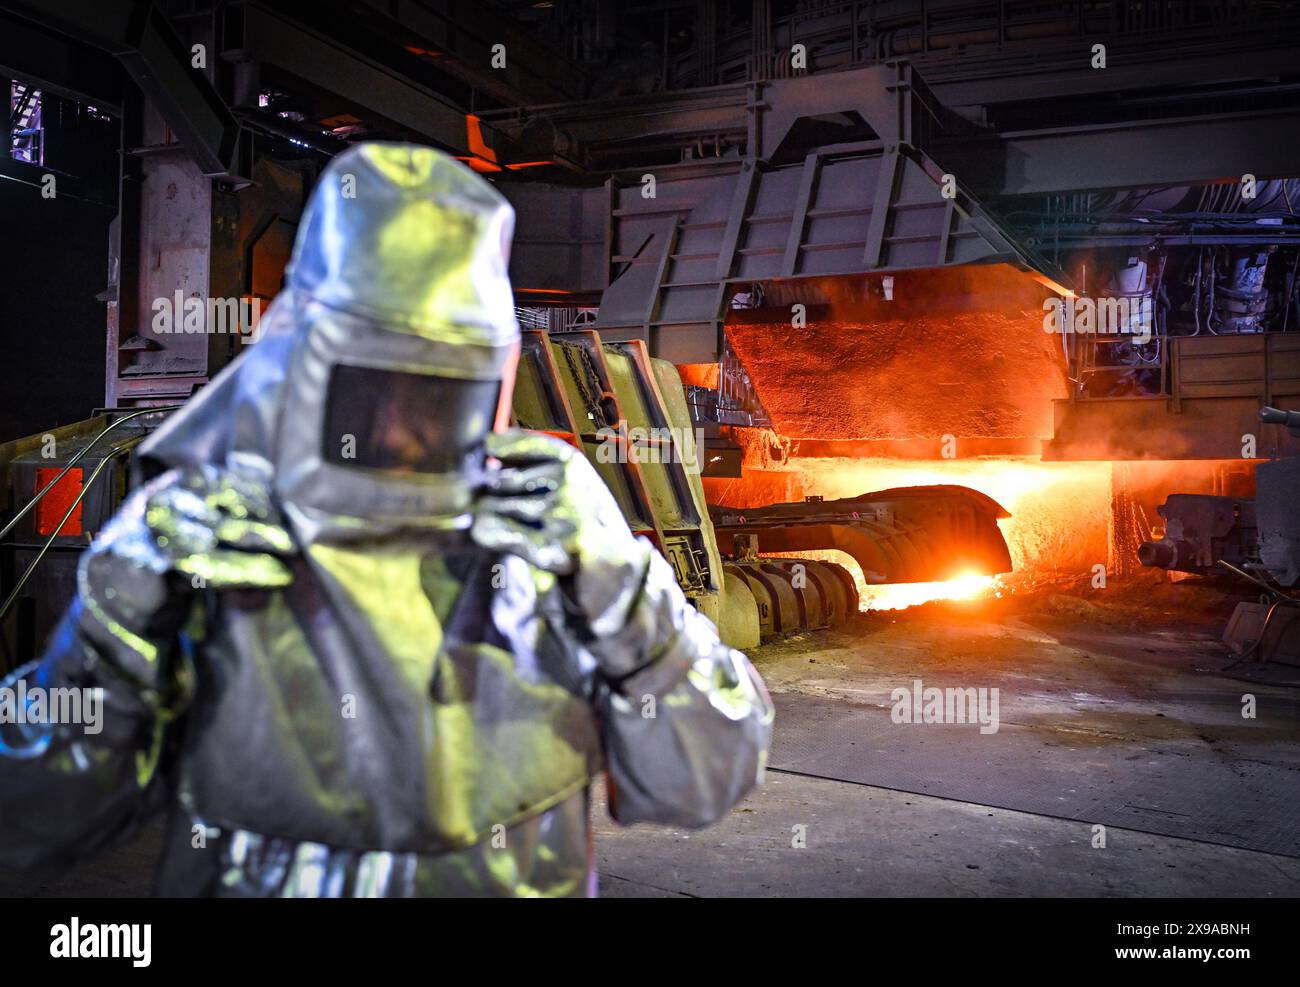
<point>741,202</point>
<point>812,165</point>
<point>143,40</point>
<point>327,64</point>
<point>676,115</point>
<point>1017,81</point>
<point>885,192</point>
<point>467,30</point>
<point>1137,154</point>
<point>1130,154</point>
<point>59,65</point>
<point>160,64</point>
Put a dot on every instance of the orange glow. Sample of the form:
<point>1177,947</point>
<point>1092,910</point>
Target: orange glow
<point>478,164</point>
<point>877,370</point>
<point>1058,527</point>
<point>699,374</point>
<point>1059,511</point>
<point>971,586</point>
<point>953,363</point>
<point>900,596</point>
<point>482,158</point>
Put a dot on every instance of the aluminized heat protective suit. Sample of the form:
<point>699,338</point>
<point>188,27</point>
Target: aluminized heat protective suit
<point>356,642</point>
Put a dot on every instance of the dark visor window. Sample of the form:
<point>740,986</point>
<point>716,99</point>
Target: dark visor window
<point>413,423</point>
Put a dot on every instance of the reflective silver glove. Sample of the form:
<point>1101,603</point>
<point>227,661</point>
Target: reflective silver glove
<point>522,508</point>
<point>547,505</point>
<point>187,530</point>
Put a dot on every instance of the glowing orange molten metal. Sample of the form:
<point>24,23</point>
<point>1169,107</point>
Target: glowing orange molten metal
<point>875,389</point>
<point>1058,524</point>
<point>900,596</point>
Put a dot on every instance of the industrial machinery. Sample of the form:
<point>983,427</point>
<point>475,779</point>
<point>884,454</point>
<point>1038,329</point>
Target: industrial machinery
<point>902,535</point>
<point>1257,539</point>
<point>1200,531</point>
<point>629,414</point>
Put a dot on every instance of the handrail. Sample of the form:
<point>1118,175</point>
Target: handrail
<point>73,462</point>
<point>85,489</point>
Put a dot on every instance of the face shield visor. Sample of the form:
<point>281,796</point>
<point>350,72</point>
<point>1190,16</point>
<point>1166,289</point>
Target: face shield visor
<point>407,423</point>
<point>381,429</point>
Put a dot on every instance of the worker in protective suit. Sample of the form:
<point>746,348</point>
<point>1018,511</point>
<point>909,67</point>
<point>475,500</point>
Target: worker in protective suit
<point>355,640</point>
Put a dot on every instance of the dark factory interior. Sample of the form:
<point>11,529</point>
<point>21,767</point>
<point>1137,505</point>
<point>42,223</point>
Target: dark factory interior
<point>944,355</point>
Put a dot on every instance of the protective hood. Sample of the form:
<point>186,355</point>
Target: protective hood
<point>384,363</point>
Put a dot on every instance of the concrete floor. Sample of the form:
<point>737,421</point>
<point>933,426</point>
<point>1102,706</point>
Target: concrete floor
<point>873,842</point>
<point>1138,674</point>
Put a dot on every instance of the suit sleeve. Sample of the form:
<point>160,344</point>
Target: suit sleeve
<point>687,721</point>
<point>687,734</point>
<point>84,726</point>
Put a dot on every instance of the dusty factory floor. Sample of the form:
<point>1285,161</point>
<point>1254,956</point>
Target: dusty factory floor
<point>1119,723</point>
<point>1118,709</point>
